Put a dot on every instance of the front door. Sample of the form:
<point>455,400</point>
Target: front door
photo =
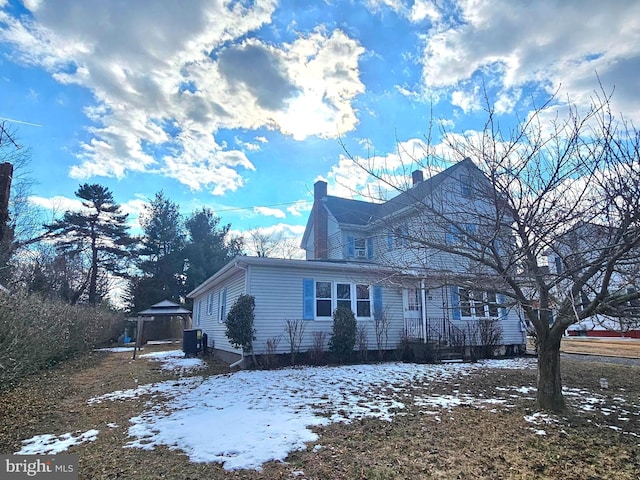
<point>412,300</point>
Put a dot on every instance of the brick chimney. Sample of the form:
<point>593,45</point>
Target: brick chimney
<point>6,174</point>
<point>320,222</point>
<point>417,176</point>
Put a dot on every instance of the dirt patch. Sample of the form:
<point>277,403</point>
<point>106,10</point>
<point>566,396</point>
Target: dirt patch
<point>591,441</point>
<point>612,347</point>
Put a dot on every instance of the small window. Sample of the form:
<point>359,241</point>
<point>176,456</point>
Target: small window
<point>466,189</point>
<point>323,299</point>
<point>361,248</point>
<point>343,295</point>
<point>363,301</point>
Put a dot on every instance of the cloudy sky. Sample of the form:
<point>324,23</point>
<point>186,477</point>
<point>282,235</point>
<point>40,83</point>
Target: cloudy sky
<point>241,105</point>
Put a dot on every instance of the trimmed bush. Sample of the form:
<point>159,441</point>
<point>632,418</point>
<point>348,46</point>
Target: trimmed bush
<point>343,336</point>
<point>239,322</point>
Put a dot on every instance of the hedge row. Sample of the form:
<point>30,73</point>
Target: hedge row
<point>36,333</point>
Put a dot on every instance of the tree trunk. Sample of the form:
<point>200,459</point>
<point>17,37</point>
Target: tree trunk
<point>549,396</point>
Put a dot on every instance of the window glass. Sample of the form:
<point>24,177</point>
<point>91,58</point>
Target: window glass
<point>363,301</point>
<point>323,299</point>
<point>343,294</point>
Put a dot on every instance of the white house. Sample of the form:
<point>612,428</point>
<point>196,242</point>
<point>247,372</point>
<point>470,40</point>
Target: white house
<point>362,254</point>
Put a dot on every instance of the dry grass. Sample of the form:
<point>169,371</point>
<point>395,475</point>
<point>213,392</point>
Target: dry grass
<point>619,347</point>
<point>467,443</point>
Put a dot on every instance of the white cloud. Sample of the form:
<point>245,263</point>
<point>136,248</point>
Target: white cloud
<point>546,43</point>
<point>270,212</point>
<point>299,208</point>
<point>468,101</point>
<point>165,83</point>
<point>57,204</point>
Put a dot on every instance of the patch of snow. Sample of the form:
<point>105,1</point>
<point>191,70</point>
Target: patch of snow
<point>50,444</point>
<point>114,349</point>
<point>175,360</point>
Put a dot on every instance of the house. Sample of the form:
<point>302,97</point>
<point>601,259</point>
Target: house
<point>364,255</point>
<point>574,253</point>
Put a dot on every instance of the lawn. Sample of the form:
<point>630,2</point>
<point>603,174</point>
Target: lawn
<point>162,416</point>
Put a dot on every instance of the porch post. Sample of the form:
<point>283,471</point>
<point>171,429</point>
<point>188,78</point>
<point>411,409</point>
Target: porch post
<point>423,313</point>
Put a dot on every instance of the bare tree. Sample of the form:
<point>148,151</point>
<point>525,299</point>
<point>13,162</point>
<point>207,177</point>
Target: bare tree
<point>548,219</point>
<point>274,244</point>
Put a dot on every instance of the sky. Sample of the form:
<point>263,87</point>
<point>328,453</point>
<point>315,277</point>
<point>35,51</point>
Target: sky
<point>279,407</point>
<point>240,105</point>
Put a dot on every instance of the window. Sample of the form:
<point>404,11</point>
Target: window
<point>401,234</point>
<point>222,305</point>
<point>343,295</point>
<point>413,300</point>
<point>476,303</point>
<point>323,299</point>
<point>466,189</point>
<point>210,303</point>
<point>359,247</point>
<point>363,301</point>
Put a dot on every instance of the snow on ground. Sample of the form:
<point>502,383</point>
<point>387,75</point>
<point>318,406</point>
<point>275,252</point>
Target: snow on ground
<point>245,419</point>
<point>176,361</point>
<point>114,349</point>
<point>250,417</point>
<point>49,444</point>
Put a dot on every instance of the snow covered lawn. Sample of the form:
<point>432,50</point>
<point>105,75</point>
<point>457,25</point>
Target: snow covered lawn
<point>245,419</point>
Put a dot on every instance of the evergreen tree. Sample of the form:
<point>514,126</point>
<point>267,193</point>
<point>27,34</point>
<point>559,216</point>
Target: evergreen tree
<point>97,235</point>
<point>161,257</point>
<point>209,247</point>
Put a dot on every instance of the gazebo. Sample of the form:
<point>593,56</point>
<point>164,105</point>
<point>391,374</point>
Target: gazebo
<point>166,309</point>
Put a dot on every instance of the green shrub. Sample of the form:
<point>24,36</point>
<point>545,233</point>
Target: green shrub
<point>239,323</point>
<point>37,332</point>
<point>343,335</point>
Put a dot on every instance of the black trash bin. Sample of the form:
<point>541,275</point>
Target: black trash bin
<point>191,342</point>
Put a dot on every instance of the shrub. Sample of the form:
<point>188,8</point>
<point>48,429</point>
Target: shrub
<point>239,323</point>
<point>343,336</point>
<point>269,359</point>
<point>316,353</point>
<point>294,328</point>
<point>36,333</point>
<point>362,337</point>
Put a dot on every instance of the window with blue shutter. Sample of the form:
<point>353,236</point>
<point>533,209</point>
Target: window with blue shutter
<point>370,248</point>
<point>351,246</point>
<point>455,302</point>
<point>307,299</point>
<point>377,301</point>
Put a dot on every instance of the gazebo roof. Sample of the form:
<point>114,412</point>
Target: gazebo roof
<point>164,308</point>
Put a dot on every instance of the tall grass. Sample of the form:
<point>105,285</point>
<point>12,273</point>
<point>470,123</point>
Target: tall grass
<point>36,333</point>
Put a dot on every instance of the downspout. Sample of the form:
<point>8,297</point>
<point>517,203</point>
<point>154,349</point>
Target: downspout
<point>235,364</point>
<point>423,298</point>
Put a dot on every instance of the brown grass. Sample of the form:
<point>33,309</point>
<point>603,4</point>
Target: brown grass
<point>617,347</point>
<point>466,443</point>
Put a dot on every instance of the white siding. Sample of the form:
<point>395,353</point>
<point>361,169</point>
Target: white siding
<point>210,323</point>
<point>278,294</point>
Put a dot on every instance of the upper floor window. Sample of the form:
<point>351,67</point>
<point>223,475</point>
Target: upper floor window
<point>466,188</point>
<point>359,247</point>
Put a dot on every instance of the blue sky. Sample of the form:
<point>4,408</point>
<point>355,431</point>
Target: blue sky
<point>240,104</point>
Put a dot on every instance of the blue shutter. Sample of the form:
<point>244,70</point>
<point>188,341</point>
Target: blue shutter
<point>370,248</point>
<point>389,241</point>
<point>351,246</point>
<point>502,309</point>
<point>450,236</point>
<point>307,299</point>
<point>455,302</point>
<point>377,301</point>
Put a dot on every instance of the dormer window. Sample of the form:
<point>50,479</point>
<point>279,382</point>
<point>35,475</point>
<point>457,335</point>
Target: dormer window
<point>359,247</point>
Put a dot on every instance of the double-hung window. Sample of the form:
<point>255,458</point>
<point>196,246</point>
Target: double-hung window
<point>363,301</point>
<point>343,295</point>
<point>476,303</point>
<point>323,299</point>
